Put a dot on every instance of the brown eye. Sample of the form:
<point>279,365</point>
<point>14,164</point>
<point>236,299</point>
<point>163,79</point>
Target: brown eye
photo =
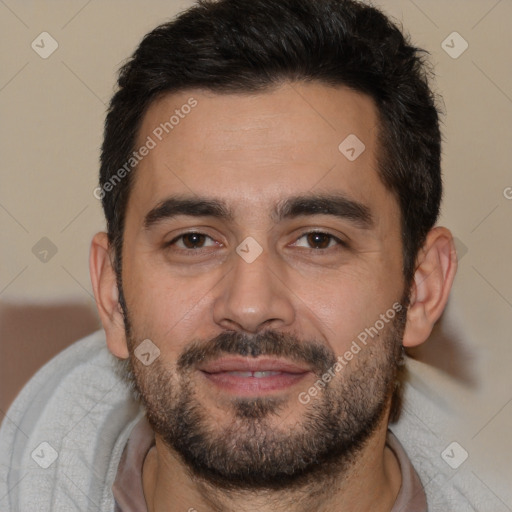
<point>192,240</point>
<point>319,240</point>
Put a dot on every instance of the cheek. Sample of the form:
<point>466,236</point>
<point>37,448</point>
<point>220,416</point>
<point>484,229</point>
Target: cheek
<point>343,304</point>
<point>168,307</point>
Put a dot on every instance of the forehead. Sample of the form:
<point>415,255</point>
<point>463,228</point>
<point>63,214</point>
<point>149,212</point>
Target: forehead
<point>256,148</point>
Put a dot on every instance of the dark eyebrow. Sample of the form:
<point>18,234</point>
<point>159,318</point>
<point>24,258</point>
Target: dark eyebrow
<point>190,206</point>
<point>336,205</point>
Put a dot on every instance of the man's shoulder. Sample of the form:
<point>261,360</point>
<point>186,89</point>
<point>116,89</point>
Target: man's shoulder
<point>62,437</point>
<point>447,477</point>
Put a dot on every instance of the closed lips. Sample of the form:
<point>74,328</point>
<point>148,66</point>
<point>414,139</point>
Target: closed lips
<point>261,367</point>
<point>258,375</point>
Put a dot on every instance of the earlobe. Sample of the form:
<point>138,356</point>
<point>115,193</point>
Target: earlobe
<point>436,266</point>
<point>106,293</point>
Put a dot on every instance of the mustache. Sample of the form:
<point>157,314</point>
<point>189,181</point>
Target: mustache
<point>269,343</point>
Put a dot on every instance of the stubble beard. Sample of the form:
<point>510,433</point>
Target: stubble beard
<point>255,448</point>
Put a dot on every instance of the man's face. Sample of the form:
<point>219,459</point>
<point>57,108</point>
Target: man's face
<point>257,290</point>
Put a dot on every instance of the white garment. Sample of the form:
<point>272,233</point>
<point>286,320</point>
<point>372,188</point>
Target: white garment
<point>83,413</point>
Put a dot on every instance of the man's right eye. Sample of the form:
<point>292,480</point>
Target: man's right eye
<point>191,240</point>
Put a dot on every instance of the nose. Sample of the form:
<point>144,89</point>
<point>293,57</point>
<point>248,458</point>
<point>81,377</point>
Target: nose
<point>252,297</point>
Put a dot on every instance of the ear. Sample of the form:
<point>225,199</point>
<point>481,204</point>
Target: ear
<point>106,293</point>
<point>436,265</point>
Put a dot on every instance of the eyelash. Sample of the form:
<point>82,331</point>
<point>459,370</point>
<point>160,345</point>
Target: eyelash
<point>339,242</point>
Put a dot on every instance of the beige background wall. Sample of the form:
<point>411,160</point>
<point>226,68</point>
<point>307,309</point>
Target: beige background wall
<point>52,112</point>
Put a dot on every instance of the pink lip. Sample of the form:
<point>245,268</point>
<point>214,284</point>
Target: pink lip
<point>284,374</point>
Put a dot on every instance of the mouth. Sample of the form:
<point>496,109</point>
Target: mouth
<point>250,377</point>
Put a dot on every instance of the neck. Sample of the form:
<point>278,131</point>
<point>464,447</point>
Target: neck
<point>370,483</point>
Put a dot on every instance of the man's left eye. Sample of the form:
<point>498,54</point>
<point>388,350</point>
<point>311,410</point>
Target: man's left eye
<point>319,240</point>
